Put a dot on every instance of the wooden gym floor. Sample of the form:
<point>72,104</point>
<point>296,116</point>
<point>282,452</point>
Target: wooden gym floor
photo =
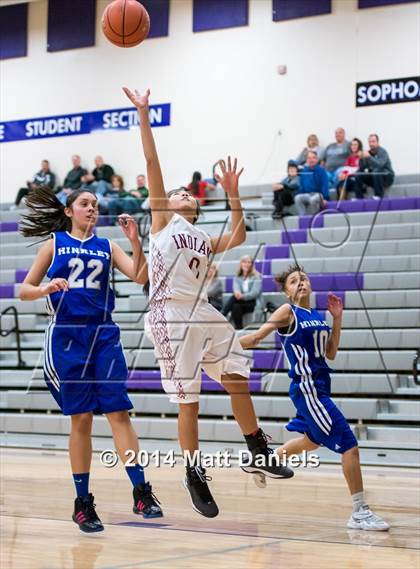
<point>295,523</point>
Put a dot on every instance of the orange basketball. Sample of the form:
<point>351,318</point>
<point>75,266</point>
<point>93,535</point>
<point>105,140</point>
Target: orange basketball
<point>125,23</point>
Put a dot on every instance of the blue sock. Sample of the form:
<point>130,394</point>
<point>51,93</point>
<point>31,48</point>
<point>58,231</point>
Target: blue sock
<point>136,474</point>
<point>81,481</point>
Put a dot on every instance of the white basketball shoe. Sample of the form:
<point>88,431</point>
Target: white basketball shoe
<point>365,519</point>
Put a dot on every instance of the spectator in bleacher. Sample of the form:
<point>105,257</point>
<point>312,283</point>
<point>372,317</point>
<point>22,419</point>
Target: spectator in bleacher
<point>347,175</point>
<point>336,154</point>
<point>99,181</point>
<point>375,169</point>
<point>284,192</point>
<point>199,187</point>
<point>313,190</point>
<point>312,143</point>
<point>141,192</point>
<point>42,178</point>
<point>73,180</point>
<point>247,286</point>
<point>214,287</point>
<point>117,200</point>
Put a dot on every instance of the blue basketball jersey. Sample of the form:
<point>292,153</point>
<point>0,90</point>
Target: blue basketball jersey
<point>306,344</point>
<point>87,267</point>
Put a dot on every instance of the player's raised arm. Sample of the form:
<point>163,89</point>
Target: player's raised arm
<point>135,268</point>
<point>281,318</point>
<point>31,288</point>
<point>335,308</point>
<point>157,195</point>
<point>229,180</point>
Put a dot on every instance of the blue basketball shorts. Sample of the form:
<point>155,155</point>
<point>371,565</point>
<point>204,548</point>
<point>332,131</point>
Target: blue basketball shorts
<point>318,416</point>
<point>85,368</point>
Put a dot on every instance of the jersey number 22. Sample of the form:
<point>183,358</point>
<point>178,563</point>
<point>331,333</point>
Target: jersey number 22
<point>77,266</point>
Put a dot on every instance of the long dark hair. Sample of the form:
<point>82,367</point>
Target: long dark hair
<point>195,182</point>
<point>359,142</point>
<point>46,213</point>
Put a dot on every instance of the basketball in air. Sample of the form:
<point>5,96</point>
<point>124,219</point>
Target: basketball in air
<point>125,23</point>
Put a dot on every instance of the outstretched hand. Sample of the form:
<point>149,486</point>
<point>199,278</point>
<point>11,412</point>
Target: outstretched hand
<point>139,101</point>
<point>229,179</point>
<point>335,305</point>
<point>129,226</point>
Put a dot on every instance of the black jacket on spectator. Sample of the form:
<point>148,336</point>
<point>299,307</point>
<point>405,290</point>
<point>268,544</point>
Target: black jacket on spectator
<point>72,180</point>
<point>104,173</point>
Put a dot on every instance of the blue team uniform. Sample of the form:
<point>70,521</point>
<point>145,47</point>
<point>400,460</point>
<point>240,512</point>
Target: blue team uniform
<point>310,389</point>
<point>84,364</point>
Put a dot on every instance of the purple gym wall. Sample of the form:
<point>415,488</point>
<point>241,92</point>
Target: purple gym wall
<point>71,24</point>
<point>219,14</point>
<point>291,9</point>
<point>13,31</point>
<point>158,11</point>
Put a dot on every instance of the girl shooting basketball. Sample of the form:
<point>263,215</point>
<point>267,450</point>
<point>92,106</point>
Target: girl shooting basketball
<point>307,340</point>
<point>187,332</point>
<point>84,364</point>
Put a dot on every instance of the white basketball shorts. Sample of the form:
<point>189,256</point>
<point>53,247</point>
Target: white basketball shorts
<point>190,338</point>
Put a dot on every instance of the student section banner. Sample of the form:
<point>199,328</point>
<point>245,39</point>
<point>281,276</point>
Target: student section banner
<point>81,123</point>
<point>388,91</point>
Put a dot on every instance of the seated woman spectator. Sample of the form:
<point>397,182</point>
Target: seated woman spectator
<point>313,187</point>
<point>347,175</point>
<point>214,287</point>
<point>312,143</point>
<point>284,192</point>
<point>116,200</point>
<point>198,188</point>
<point>247,287</point>
<point>42,178</point>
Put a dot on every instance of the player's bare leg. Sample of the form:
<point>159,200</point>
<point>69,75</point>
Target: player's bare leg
<point>126,442</point>
<point>124,435</point>
<point>80,442</point>
<point>350,463</point>
<point>188,426</point>
<point>242,406</point>
<point>362,517</point>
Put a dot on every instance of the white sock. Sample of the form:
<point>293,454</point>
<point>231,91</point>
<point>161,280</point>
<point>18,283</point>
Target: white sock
<point>358,500</point>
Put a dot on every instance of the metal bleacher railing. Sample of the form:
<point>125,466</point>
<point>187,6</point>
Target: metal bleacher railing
<point>15,329</point>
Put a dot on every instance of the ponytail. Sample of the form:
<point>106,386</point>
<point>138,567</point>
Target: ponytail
<point>46,213</point>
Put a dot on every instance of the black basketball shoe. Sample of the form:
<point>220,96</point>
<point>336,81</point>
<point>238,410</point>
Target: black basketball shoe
<point>85,515</point>
<point>202,501</point>
<point>263,460</point>
<point>145,502</point>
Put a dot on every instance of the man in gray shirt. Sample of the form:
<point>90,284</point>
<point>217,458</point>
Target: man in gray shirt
<point>375,169</point>
<point>336,154</point>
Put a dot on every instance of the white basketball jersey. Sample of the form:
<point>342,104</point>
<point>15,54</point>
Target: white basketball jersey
<point>178,261</point>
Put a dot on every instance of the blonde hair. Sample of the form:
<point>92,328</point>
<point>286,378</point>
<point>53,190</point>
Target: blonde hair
<point>253,272</point>
<point>314,136</point>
